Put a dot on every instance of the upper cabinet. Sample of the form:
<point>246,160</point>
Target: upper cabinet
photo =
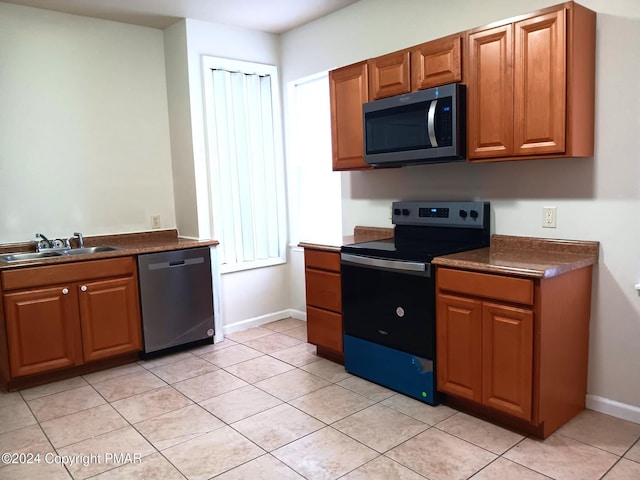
<point>436,63</point>
<point>389,75</point>
<point>423,66</point>
<point>531,86</point>
<point>348,91</point>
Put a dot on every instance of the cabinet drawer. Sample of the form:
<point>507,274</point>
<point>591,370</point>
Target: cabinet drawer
<point>322,260</point>
<point>324,328</point>
<point>323,290</point>
<point>66,273</point>
<point>510,289</point>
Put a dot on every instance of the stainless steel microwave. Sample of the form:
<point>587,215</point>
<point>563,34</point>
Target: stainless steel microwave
<point>427,126</point>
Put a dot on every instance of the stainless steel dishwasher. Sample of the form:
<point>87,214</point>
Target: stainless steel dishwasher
<point>176,299</point>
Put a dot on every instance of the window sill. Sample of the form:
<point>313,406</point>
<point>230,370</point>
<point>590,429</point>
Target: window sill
<point>238,267</point>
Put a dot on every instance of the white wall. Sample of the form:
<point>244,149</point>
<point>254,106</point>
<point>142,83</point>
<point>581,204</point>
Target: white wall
<point>250,296</point>
<point>597,198</point>
<point>84,134</point>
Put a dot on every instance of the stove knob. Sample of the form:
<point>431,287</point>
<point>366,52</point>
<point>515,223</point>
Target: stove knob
<point>463,213</point>
<point>397,211</point>
<point>405,212</point>
<point>474,214</point>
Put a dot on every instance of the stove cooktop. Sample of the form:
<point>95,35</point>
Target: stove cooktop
<point>425,230</point>
<point>419,253</point>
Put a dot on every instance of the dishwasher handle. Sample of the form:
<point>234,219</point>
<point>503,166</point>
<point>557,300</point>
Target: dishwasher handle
<point>176,263</point>
<point>401,266</point>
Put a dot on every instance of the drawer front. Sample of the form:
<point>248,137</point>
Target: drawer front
<point>323,290</point>
<point>66,273</point>
<point>322,260</point>
<point>509,289</point>
<point>324,328</point>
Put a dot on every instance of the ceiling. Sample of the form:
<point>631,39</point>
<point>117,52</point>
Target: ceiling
<point>273,16</point>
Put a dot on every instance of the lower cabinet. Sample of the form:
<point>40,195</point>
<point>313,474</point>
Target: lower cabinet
<point>66,315</point>
<point>324,302</point>
<point>42,330</point>
<point>109,318</point>
<point>514,349</point>
<point>487,353</point>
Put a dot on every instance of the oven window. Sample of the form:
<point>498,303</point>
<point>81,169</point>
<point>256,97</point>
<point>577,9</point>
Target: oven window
<point>389,308</point>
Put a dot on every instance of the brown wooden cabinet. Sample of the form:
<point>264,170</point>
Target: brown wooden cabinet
<point>42,329</point>
<point>109,317</point>
<point>324,302</point>
<point>514,349</point>
<point>422,66</point>
<point>436,63</point>
<point>389,75</point>
<point>525,80</point>
<point>348,91</point>
<point>507,358</point>
<point>66,315</point>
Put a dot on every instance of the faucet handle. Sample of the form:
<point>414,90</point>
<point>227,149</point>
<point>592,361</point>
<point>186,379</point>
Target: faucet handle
<point>80,239</point>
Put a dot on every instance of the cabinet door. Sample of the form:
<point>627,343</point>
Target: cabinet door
<point>389,75</point>
<point>458,345</point>
<point>540,84</point>
<point>507,350</point>
<point>324,328</point>
<point>490,93</point>
<point>42,330</point>
<point>348,92</point>
<point>110,317</point>
<point>436,63</point>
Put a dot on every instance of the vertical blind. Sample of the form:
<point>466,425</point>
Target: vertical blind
<point>243,166</point>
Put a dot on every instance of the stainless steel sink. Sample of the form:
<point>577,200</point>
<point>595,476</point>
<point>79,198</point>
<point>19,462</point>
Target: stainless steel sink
<point>85,250</point>
<point>16,257</point>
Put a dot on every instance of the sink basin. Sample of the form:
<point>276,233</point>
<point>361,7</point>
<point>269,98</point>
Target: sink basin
<point>85,250</point>
<point>15,257</point>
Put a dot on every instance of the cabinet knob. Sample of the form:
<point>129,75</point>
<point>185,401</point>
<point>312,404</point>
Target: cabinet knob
<point>65,291</point>
<point>83,288</point>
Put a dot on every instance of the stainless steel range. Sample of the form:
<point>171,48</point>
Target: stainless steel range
<point>388,293</point>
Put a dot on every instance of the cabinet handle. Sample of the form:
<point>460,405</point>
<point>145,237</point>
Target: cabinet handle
<point>83,288</point>
<point>65,291</point>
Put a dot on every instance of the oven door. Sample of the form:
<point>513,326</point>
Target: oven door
<point>389,302</point>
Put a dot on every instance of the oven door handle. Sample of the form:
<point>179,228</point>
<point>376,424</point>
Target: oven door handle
<point>414,268</point>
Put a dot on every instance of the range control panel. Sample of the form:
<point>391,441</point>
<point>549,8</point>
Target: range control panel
<point>446,214</point>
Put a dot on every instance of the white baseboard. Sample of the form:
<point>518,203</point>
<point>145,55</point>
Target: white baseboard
<point>613,408</point>
<point>298,314</point>
<point>261,320</point>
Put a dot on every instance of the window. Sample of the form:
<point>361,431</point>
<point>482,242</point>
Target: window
<point>245,162</point>
<point>315,207</point>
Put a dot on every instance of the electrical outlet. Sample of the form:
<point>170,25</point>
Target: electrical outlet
<point>155,221</point>
<point>549,217</point>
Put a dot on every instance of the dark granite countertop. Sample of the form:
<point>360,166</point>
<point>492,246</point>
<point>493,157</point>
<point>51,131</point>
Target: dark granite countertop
<point>525,257</point>
<point>128,244</point>
<point>360,234</point>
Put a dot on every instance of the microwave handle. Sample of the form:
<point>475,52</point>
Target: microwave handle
<point>431,123</point>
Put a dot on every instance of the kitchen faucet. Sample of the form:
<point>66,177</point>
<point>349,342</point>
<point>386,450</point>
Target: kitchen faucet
<point>45,240</point>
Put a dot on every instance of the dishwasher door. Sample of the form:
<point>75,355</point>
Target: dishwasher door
<point>176,298</point>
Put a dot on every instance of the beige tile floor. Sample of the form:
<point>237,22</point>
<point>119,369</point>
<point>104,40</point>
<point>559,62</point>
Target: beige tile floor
<point>262,405</point>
